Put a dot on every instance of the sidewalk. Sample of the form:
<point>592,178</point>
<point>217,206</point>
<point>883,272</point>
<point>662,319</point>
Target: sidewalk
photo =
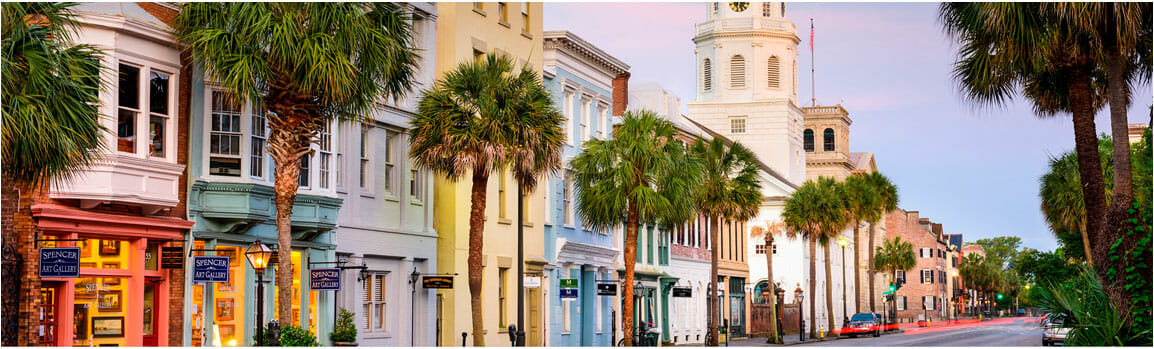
<point>790,339</point>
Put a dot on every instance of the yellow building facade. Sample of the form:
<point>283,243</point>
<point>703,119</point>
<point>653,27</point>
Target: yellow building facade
<point>465,31</point>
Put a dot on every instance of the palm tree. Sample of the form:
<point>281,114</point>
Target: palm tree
<point>1006,45</point>
<point>1124,32</point>
<point>862,201</point>
<point>1062,203</point>
<point>816,211</point>
<point>481,117</point>
<point>642,175</point>
<point>51,129</point>
<point>729,191</point>
<point>309,63</point>
<point>894,255</point>
<point>887,201</point>
<point>768,234</point>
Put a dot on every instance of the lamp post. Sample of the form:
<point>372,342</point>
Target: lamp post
<point>519,337</point>
<point>258,255</point>
<point>842,242</point>
<point>799,296</point>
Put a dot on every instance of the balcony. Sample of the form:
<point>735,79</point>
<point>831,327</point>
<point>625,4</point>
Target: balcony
<point>744,24</point>
<point>153,185</point>
<point>227,207</point>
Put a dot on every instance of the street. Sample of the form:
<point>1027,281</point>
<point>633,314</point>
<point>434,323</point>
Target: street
<point>1009,332</point>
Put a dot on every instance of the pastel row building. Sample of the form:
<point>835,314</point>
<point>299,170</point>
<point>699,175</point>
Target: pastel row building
<point>188,169</point>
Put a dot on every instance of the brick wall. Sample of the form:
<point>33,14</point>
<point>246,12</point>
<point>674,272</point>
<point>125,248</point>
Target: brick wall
<point>620,93</point>
<point>906,225</point>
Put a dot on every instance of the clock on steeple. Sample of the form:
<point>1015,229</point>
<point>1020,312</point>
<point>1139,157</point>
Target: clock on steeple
<point>738,6</point>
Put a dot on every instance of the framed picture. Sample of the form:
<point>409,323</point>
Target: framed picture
<point>230,252</point>
<point>224,309</point>
<point>80,321</point>
<point>109,248</point>
<point>85,251</point>
<point>111,301</point>
<point>111,265</point>
<point>227,331</point>
<point>108,326</point>
<point>91,265</point>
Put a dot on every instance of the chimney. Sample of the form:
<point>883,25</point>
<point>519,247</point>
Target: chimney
<point>621,93</point>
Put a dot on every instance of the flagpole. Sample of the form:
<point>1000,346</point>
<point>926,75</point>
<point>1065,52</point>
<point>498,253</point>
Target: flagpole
<point>812,86</point>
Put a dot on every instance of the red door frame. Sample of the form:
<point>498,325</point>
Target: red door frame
<point>153,339</point>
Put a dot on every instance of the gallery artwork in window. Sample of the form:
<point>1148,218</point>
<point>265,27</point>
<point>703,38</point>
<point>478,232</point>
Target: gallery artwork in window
<point>109,248</point>
<point>112,301</point>
<point>224,309</point>
<point>108,326</point>
<point>80,321</point>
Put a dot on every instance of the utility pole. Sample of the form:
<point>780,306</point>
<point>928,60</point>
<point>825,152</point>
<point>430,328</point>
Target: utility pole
<point>520,342</point>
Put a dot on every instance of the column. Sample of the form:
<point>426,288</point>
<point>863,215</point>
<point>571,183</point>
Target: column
<point>587,313</point>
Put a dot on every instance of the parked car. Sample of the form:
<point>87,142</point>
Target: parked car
<point>863,323</point>
<point>1054,329</point>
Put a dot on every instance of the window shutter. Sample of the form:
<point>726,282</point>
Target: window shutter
<point>774,70</point>
<point>737,71</point>
<point>707,75</point>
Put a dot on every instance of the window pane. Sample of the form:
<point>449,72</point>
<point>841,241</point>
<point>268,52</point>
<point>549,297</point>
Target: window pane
<point>156,135</point>
<point>304,178</point>
<point>129,86</point>
<point>158,93</point>
<point>126,131</point>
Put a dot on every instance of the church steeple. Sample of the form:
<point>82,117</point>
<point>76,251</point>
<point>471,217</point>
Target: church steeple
<point>746,51</point>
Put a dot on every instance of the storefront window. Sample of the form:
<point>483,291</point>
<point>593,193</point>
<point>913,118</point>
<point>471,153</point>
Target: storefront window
<point>296,292</point>
<point>103,254</point>
<point>100,302</point>
<point>228,300</point>
<point>152,256</point>
<point>197,305</point>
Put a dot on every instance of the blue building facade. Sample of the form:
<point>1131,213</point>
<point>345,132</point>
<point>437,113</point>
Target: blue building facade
<point>583,80</point>
<point>231,203</point>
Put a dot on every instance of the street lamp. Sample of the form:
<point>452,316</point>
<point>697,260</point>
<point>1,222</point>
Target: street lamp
<point>842,242</point>
<point>799,296</point>
<point>258,255</point>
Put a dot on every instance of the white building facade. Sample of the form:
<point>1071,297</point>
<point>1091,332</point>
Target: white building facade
<point>385,236</point>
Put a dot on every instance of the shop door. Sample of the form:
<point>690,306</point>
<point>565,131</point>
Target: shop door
<point>534,339</point>
<point>48,318</point>
<point>150,312</point>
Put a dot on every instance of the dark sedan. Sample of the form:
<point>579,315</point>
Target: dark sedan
<point>863,323</point>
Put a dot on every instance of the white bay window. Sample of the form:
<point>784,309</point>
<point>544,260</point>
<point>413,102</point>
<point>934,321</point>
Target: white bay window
<point>144,105</point>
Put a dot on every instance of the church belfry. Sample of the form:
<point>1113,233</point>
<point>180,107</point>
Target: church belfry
<point>746,76</point>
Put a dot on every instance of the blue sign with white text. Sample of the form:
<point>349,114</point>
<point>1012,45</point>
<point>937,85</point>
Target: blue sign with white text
<point>210,269</point>
<point>569,293</point>
<point>60,262</point>
<point>325,279</point>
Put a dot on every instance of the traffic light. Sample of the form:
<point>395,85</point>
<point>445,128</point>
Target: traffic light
<point>893,288</point>
<point>999,296</point>
<point>899,283</point>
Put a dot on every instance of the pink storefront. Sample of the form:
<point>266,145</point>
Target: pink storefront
<point>122,296</point>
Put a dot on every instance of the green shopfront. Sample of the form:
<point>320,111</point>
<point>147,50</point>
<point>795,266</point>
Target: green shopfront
<point>231,203</point>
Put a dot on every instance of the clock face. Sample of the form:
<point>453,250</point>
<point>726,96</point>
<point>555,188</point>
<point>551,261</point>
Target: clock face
<point>738,6</point>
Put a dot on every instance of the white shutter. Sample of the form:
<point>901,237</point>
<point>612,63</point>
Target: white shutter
<point>737,72</point>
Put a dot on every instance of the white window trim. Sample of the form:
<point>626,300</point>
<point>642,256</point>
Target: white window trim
<point>384,328</point>
<point>246,150</point>
<point>548,188</point>
<point>146,66</point>
<point>567,109</point>
<point>744,124</point>
<point>395,179</point>
<point>586,110</point>
<point>365,170</point>
<point>569,220</point>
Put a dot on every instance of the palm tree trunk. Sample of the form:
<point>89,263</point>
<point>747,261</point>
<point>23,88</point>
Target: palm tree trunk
<point>25,229</point>
<point>476,244</point>
<point>870,266</point>
<point>286,147</point>
<point>631,225</point>
<point>812,285</point>
<point>856,267</point>
<point>828,289</point>
<point>773,336</point>
<point>1119,128</point>
<point>1093,190</point>
<point>714,309</point>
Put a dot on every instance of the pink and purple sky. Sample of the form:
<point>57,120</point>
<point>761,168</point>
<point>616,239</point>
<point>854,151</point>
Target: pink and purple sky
<point>974,169</point>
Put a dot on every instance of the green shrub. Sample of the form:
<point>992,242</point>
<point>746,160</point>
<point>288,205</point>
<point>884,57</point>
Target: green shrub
<point>345,329</point>
<point>1092,320</point>
<point>293,336</point>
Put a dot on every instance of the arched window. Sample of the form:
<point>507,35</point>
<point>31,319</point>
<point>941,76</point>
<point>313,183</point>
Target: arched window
<point>808,140</point>
<point>707,75</point>
<point>737,72</point>
<point>828,139</point>
<point>774,72</point>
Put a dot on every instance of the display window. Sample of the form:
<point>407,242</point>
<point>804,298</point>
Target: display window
<point>228,299</point>
<point>296,291</point>
<point>197,318</point>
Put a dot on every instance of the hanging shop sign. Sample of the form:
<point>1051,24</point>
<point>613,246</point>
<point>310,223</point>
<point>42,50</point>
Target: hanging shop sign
<point>210,269</point>
<point>325,279</point>
<point>171,257</point>
<point>60,262</point>
<point>607,289</point>
<point>532,282</point>
<point>682,292</point>
<point>568,283</point>
<point>568,293</point>
<point>437,281</point>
